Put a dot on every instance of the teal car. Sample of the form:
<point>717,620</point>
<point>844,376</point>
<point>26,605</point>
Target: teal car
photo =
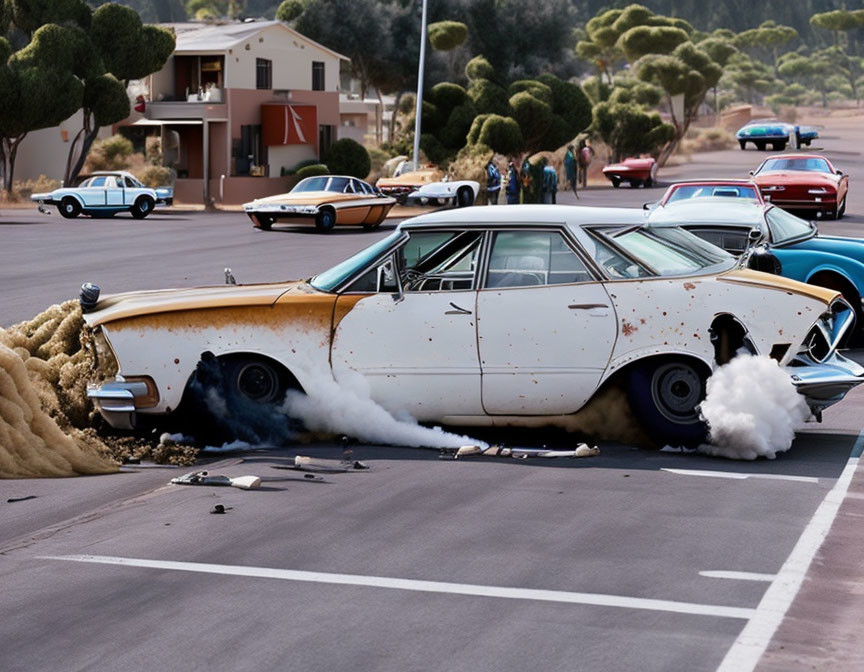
<point>782,243</point>
<point>764,132</point>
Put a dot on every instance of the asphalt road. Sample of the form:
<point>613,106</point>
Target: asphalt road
<point>631,560</point>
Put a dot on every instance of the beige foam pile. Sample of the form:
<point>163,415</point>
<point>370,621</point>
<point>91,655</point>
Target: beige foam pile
<point>43,378</point>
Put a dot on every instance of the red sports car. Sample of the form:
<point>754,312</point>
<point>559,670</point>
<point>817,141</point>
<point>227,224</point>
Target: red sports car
<point>635,171</point>
<point>803,182</point>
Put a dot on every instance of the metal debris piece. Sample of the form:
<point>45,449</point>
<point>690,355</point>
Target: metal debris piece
<point>20,499</point>
<point>582,450</point>
<point>202,478</point>
<point>304,463</point>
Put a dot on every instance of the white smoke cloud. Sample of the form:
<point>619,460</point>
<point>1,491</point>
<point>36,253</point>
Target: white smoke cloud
<point>752,409</point>
<point>346,407</point>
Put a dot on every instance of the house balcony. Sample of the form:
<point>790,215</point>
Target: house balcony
<point>165,110</point>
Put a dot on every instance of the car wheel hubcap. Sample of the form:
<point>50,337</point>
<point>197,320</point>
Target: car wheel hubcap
<point>677,390</point>
<point>258,383</point>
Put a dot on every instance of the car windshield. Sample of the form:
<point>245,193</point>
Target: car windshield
<point>806,164</point>
<point>670,250</point>
<point>320,183</point>
<point>786,227</point>
<point>329,280</point>
<point>688,191</point>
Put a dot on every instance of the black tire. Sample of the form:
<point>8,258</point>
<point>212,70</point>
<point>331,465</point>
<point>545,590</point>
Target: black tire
<point>253,380</point>
<point>665,398</point>
<point>807,142</point>
<point>842,209</point>
<point>616,182</point>
<point>743,144</point>
<point>778,146</point>
<point>69,208</point>
<point>325,220</point>
<point>649,183</point>
<point>635,184</point>
<point>372,226</point>
<point>265,222</point>
<point>143,206</point>
<point>760,145</point>
<point>464,197</point>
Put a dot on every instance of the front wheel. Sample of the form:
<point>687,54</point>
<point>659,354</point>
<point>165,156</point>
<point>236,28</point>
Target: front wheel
<point>743,144</point>
<point>143,207</point>
<point>325,220</point>
<point>665,399</point>
<point>842,209</point>
<point>616,181</point>
<point>760,145</point>
<point>70,208</point>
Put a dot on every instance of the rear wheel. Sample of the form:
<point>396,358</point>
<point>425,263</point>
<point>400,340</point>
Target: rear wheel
<point>635,184</point>
<point>778,146</point>
<point>616,181</point>
<point>649,183</point>
<point>143,207</point>
<point>70,208</point>
<point>760,145</point>
<point>325,220</point>
<point>665,398</point>
<point>464,197</point>
<point>743,144</point>
<point>842,209</point>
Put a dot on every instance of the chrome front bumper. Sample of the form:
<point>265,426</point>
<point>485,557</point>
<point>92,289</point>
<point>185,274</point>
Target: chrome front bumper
<point>282,210</point>
<point>823,385</point>
<point>115,401</point>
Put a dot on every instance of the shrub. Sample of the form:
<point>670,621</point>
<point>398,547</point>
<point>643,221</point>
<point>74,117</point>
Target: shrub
<point>110,154</point>
<point>22,190</point>
<point>447,95</point>
<point>455,131</point>
<point>479,68</point>
<point>155,176</point>
<point>348,157</point>
<point>488,97</point>
<point>501,134</point>
<point>536,88</point>
<point>313,171</point>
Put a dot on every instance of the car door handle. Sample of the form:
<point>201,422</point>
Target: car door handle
<point>586,306</point>
<point>457,311</point>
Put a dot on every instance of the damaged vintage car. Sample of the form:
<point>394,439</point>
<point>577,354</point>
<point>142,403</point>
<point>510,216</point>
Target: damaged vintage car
<point>495,316</point>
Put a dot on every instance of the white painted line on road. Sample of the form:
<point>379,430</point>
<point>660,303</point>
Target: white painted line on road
<point>751,643</point>
<point>597,599</point>
<point>739,576</point>
<point>738,476</point>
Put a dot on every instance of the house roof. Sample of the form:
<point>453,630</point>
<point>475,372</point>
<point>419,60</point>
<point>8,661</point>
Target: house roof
<point>199,37</point>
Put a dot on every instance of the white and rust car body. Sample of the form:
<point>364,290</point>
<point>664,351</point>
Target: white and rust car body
<point>326,200</point>
<point>428,185</point>
<point>474,337</point>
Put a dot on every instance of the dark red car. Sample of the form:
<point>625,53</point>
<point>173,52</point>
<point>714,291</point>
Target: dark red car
<point>803,182</point>
<point>635,171</point>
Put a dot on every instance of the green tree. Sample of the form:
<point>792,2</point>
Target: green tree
<point>642,40</point>
<point>289,10</point>
<point>479,68</point>
<point>448,36</point>
<point>121,48</point>
<point>348,157</point>
<point>765,41</point>
<point>629,130</point>
<point>811,70</point>
<point>500,134</point>
<point>838,21</point>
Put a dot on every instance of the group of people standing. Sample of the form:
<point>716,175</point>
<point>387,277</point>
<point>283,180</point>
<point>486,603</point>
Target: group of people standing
<point>538,182</point>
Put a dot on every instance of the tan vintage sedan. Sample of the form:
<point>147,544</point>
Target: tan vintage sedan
<point>326,200</point>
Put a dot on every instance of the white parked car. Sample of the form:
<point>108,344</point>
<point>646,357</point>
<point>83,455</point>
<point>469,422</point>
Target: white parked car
<point>493,316</point>
<point>105,193</point>
<point>427,185</point>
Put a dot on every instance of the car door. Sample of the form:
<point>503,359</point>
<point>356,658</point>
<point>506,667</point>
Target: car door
<point>408,327</point>
<point>92,191</point>
<point>113,191</point>
<point>545,326</point>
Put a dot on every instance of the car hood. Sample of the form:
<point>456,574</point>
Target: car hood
<point>308,198</point>
<point>801,177</point>
<point>134,304</point>
<point>716,209</point>
<point>844,247</point>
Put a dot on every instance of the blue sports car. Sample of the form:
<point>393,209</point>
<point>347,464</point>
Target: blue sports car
<point>762,132</point>
<point>786,245</point>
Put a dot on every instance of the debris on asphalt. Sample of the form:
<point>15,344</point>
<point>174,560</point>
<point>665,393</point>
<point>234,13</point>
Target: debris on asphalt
<point>20,499</point>
<point>203,478</point>
<point>304,463</point>
<point>220,508</point>
<point>677,449</point>
<point>582,450</point>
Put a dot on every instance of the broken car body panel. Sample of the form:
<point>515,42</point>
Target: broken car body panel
<point>513,316</point>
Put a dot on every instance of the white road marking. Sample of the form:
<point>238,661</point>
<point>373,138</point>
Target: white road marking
<point>737,476</point>
<point>597,599</point>
<point>751,643</point>
<point>739,576</point>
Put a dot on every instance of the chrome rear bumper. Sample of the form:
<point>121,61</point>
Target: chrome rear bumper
<point>823,385</point>
<point>115,401</point>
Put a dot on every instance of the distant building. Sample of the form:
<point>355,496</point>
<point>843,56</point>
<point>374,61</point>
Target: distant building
<point>239,104</point>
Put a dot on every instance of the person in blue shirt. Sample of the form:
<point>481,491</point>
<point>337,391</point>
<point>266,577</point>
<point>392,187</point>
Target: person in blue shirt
<point>493,183</point>
<point>514,185</point>
<point>571,170</point>
<point>550,184</point>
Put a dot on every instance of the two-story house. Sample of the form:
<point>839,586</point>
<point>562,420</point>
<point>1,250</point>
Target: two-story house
<point>237,105</point>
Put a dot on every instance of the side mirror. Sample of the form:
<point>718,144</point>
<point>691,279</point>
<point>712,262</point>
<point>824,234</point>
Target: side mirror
<point>754,235</point>
<point>751,173</point>
<point>646,206</point>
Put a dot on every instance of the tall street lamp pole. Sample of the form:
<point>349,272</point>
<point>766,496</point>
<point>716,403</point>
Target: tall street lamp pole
<point>419,107</point>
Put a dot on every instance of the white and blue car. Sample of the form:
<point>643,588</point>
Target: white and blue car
<point>105,193</point>
<point>764,132</point>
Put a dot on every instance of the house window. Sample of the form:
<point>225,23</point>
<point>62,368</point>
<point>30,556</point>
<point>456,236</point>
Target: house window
<point>317,76</point>
<point>263,73</point>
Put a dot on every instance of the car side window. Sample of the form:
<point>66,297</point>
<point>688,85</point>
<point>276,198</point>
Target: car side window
<point>110,182</point>
<point>531,259</point>
<point>129,183</point>
<point>435,261</point>
<point>96,182</point>
<point>732,240</point>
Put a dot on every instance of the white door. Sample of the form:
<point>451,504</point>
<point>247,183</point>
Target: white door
<point>417,349</point>
<point>545,327</point>
<point>113,191</point>
<point>93,191</point>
